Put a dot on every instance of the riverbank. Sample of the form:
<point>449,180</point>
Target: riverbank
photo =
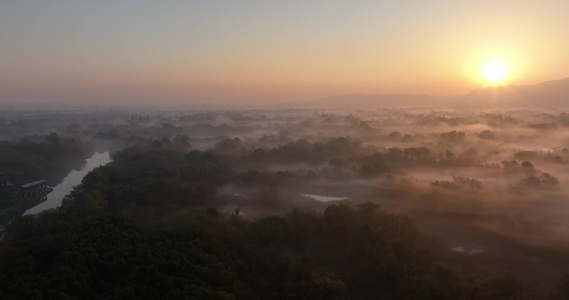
<point>72,179</point>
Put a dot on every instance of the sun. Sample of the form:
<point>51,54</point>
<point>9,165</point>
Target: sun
<point>495,70</point>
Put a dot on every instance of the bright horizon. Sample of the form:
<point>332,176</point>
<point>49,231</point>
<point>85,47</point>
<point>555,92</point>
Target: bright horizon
<point>258,52</point>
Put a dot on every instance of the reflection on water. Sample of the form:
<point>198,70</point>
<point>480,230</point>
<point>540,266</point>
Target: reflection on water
<point>461,249</point>
<point>323,198</point>
<point>73,178</point>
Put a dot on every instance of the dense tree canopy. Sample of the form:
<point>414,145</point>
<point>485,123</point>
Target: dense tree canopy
<point>147,226</point>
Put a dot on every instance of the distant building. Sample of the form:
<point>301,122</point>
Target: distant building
<point>22,187</point>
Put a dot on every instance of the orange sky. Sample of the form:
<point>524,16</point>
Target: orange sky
<point>160,51</point>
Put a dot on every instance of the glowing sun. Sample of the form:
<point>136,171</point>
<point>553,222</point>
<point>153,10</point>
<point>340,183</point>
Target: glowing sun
<point>495,70</point>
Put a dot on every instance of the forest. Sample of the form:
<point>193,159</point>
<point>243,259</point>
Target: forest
<point>402,203</point>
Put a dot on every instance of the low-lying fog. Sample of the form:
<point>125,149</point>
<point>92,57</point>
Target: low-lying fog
<point>483,181</point>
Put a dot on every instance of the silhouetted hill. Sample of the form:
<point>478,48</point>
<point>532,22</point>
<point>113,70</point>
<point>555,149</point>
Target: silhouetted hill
<point>554,93</point>
<point>546,94</point>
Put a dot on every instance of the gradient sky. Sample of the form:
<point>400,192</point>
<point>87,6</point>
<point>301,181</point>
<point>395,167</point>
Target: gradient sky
<point>270,51</point>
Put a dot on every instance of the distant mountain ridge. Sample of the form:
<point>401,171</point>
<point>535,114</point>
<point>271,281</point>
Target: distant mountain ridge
<point>554,93</point>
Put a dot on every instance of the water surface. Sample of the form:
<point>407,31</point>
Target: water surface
<point>323,198</point>
<point>73,178</point>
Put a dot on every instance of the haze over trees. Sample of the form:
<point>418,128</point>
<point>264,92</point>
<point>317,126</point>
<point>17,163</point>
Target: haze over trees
<point>318,149</point>
<point>281,204</point>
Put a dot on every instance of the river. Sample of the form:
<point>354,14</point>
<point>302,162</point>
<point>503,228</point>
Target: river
<point>73,178</point>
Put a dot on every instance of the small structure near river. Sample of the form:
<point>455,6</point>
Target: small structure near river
<point>18,193</point>
<point>22,187</point>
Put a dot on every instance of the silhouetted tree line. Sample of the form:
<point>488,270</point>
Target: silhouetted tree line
<point>51,157</point>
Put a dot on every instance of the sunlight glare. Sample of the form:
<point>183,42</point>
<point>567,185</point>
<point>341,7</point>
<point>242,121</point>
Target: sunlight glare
<point>495,70</point>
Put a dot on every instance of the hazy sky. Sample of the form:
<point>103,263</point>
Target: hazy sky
<point>195,51</point>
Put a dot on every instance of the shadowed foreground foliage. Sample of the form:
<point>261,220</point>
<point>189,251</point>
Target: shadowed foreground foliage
<point>145,227</point>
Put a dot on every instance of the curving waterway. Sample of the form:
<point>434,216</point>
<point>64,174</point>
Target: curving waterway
<point>73,178</point>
